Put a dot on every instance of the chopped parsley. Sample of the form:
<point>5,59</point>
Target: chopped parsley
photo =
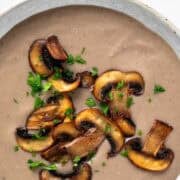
<point>57,74</point>
<point>39,164</point>
<point>129,102</point>
<point>149,100</point>
<point>75,59</point>
<point>56,121</point>
<point>139,132</point>
<point>47,86</point>
<point>15,101</point>
<point>120,85</point>
<point>83,50</point>
<point>76,161</point>
<point>67,74</point>
<point>159,89</point>
<point>90,102</point>
<point>91,155</point>
<point>124,153</point>
<point>35,82</point>
<point>107,129</point>
<point>94,71</point>
<point>38,102</point>
<point>120,95</point>
<point>104,108</point>
<point>103,164</point>
<point>69,113</point>
<point>16,148</point>
<point>110,95</point>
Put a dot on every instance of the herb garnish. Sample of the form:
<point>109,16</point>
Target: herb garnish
<point>139,132</point>
<point>129,102</point>
<point>107,129</point>
<point>56,121</point>
<point>76,59</point>
<point>47,86</point>
<point>38,102</point>
<point>90,102</point>
<point>110,95</point>
<point>124,153</point>
<point>103,164</point>
<point>159,89</point>
<point>91,155</point>
<point>120,85</point>
<point>104,108</point>
<point>69,113</point>
<point>15,100</point>
<point>38,164</point>
<point>35,82</point>
<point>120,95</point>
<point>16,148</point>
<point>94,71</point>
<point>76,161</point>
<point>57,74</point>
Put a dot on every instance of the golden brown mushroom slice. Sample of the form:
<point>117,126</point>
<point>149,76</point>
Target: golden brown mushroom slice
<point>80,146</point>
<point>156,137</point>
<point>120,111</point>
<point>107,80</point>
<point>43,117</point>
<point>39,63</point>
<point>94,118</point>
<point>147,162</point>
<point>85,173</point>
<point>55,48</point>
<point>61,85</point>
<point>46,175</point>
<point>65,132</point>
<point>64,102</point>
<point>28,142</point>
<point>89,142</point>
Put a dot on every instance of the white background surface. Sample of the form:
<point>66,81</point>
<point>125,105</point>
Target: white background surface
<point>170,9</point>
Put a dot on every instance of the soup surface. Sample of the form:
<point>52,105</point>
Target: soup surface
<point>112,41</point>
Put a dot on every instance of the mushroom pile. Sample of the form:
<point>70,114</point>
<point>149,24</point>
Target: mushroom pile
<point>66,139</point>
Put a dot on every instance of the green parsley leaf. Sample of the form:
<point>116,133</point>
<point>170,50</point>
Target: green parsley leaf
<point>76,161</point>
<point>56,121</point>
<point>38,164</point>
<point>38,102</point>
<point>104,108</point>
<point>124,153</point>
<point>139,132</point>
<point>91,155</point>
<point>47,86</point>
<point>90,102</point>
<point>107,129</point>
<point>120,85</point>
<point>57,74</point>
<point>35,82</point>
<point>149,100</point>
<point>129,102</point>
<point>16,148</point>
<point>67,74</point>
<point>110,95</point>
<point>120,95</point>
<point>94,71</point>
<point>15,101</point>
<point>80,60</point>
<point>69,113</point>
<point>83,50</point>
<point>70,59</point>
<point>159,89</point>
<point>103,164</point>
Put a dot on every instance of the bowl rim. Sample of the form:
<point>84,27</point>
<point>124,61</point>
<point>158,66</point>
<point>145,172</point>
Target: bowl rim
<point>134,8</point>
